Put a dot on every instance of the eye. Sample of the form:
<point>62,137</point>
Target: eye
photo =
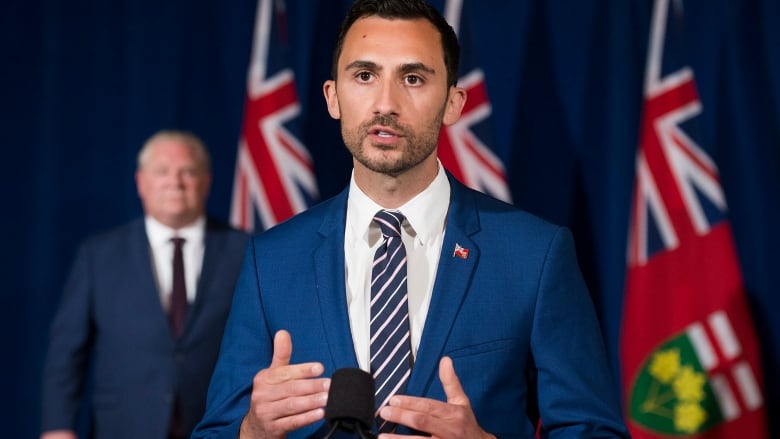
<point>364,76</point>
<point>159,171</point>
<point>414,80</point>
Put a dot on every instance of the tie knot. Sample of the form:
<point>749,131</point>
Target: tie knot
<point>178,241</point>
<point>389,222</point>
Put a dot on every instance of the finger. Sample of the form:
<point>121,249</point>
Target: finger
<point>417,404</point>
<point>300,420</point>
<point>280,369</point>
<point>293,372</point>
<point>282,349</point>
<point>449,380</point>
<point>399,436</point>
<point>292,405</point>
<point>420,414</point>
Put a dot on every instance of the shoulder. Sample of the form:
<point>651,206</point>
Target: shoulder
<point>319,219</point>
<point>118,235</point>
<point>114,246</point>
<point>491,214</point>
<point>221,230</point>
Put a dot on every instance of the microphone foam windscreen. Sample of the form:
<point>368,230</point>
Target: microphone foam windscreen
<point>351,397</point>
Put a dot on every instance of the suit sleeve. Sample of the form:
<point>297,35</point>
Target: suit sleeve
<point>69,346</point>
<point>247,347</point>
<point>576,394</point>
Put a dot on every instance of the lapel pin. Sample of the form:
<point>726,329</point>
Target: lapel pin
<point>461,252</point>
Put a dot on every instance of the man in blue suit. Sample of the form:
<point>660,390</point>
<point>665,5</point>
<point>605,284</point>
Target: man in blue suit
<point>150,346</point>
<point>500,328</point>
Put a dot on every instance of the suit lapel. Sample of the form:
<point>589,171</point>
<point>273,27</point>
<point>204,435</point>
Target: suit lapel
<point>331,287</point>
<point>453,278</point>
<point>213,248</point>
<point>144,282</point>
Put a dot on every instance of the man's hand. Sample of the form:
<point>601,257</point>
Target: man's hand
<point>285,397</point>
<point>453,419</point>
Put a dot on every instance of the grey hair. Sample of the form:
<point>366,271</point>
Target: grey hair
<point>196,145</point>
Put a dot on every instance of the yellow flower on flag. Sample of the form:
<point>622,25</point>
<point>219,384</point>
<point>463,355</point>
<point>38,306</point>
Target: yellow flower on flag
<point>665,365</point>
<point>689,416</point>
<point>689,385</point>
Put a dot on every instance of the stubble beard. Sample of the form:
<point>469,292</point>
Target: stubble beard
<point>415,147</point>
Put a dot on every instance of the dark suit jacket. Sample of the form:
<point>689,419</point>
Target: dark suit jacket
<point>515,317</point>
<point>110,319</point>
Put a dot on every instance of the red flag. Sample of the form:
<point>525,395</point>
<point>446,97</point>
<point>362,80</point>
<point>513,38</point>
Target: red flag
<point>274,172</point>
<point>689,353</point>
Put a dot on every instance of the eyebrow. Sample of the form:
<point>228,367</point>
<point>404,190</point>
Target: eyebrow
<point>359,65</point>
<point>405,68</point>
<point>417,67</point>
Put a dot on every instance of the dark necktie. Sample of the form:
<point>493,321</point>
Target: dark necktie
<point>390,347</point>
<point>177,311</point>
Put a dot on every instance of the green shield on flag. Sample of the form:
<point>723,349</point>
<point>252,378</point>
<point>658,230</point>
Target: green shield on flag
<point>672,394</point>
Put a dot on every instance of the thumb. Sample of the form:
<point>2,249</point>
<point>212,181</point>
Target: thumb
<point>282,349</point>
<point>451,383</point>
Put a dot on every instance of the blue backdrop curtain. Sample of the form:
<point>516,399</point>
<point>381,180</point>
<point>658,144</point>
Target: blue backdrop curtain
<point>85,82</point>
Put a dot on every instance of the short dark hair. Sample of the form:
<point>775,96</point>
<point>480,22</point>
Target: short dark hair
<point>405,10</point>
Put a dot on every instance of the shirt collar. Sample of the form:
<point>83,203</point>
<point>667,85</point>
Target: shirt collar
<point>425,213</point>
<point>159,234</point>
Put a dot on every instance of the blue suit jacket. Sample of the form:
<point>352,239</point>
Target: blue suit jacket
<point>111,321</point>
<point>515,316</point>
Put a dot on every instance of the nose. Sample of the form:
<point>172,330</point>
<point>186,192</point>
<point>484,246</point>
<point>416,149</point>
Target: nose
<point>177,178</point>
<point>387,98</point>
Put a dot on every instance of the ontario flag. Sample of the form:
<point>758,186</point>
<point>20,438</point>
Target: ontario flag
<point>689,353</point>
<point>274,176</point>
<point>465,147</point>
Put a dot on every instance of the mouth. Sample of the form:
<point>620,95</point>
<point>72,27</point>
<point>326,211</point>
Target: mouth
<point>383,134</point>
<point>383,131</point>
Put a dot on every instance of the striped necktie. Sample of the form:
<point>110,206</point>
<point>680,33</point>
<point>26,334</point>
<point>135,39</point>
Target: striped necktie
<point>390,346</point>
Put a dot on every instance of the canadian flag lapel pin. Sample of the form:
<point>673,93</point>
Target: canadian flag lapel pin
<point>460,251</point>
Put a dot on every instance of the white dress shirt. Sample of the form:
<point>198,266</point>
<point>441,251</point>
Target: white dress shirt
<point>159,236</point>
<point>423,234</point>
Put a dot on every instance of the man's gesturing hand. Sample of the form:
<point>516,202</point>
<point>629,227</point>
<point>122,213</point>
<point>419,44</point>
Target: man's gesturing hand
<point>453,419</point>
<point>285,397</point>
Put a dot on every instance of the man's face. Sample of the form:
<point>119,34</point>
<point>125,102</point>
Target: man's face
<point>172,183</point>
<point>391,94</point>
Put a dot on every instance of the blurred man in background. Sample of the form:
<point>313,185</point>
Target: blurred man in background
<point>144,307</point>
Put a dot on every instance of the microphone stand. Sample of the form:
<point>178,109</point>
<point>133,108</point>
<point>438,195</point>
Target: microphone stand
<point>351,427</point>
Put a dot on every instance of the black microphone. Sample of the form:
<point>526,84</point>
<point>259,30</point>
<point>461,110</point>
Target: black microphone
<point>350,404</point>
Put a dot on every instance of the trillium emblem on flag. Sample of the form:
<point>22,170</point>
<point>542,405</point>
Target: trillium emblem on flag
<point>684,388</point>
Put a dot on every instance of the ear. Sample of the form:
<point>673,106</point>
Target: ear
<point>455,102</point>
<point>206,182</point>
<point>139,183</point>
<point>331,98</point>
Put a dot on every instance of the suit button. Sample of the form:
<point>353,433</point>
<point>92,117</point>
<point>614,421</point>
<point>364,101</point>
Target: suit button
<point>168,398</point>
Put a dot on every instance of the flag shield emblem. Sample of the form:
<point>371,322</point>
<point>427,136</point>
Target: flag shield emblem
<point>689,352</point>
<point>672,394</point>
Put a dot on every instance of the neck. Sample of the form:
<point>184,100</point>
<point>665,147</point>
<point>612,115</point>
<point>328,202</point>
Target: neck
<point>176,222</point>
<point>393,191</point>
